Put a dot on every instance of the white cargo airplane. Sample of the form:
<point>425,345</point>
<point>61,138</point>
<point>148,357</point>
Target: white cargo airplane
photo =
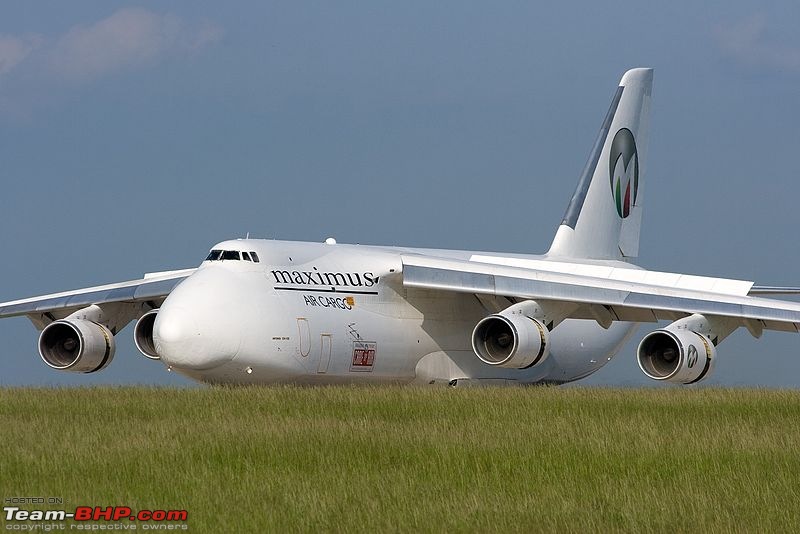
<point>267,312</point>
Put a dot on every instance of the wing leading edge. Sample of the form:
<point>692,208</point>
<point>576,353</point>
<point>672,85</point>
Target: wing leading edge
<point>623,300</point>
<point>153,286</point>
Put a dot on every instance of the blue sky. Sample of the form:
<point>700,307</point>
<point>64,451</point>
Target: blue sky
<point>135,136</point>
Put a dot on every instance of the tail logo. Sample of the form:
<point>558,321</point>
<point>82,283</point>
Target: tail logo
<point>623,169</point>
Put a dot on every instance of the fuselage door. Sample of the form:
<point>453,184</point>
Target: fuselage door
<point>303,336</point>
<point>324,352</point>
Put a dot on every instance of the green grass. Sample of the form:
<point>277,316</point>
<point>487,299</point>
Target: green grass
<point>410,459</point>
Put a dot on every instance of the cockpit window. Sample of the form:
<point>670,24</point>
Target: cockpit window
<point>218,255</point>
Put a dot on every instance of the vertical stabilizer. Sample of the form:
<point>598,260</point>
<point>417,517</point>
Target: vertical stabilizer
<point>604,217</point>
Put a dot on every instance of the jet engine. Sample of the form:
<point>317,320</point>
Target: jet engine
<point>143,335</point>
<point>676,355</point>
<point>511,339</point>
<point>76,345</point>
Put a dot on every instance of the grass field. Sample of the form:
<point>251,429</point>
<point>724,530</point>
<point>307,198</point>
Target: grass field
<point>409,459</point>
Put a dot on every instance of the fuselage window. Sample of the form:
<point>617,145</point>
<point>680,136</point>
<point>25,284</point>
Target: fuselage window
<point>214,255</point>
<point>230,255</point>
<point>254,255</point>
<point>246,256</point>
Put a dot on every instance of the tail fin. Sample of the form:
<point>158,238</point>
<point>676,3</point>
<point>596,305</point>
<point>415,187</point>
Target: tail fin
<point>604,217</point>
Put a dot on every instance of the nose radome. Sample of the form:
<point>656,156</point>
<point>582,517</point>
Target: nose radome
<point>187,334</point>
<point>174,326</point>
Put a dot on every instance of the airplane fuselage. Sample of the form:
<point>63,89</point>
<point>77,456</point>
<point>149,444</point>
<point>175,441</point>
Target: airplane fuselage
<point>328,313</point>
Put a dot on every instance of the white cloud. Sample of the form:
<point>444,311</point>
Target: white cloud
<point>130,37</point>
<point>747,41</point>
<point>14,50</point>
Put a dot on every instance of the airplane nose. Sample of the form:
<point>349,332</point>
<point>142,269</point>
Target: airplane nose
<point>189,331</point>
<point>176,326</point>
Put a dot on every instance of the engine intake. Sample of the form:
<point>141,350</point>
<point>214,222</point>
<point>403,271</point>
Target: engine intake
<point>143,335</point>
<point>513,341</point>
<point>680,356</point>
<point>76,345</point>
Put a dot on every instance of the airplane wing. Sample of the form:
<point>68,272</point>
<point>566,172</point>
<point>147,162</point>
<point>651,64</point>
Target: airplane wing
<point>41,310</point>
<point>774,290</point>
<point>636,296</point>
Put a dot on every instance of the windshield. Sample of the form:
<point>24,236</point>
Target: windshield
<point>219,255</point>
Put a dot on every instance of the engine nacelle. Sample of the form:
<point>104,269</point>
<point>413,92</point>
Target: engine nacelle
<point>674,355</point>
<point>76,345</point>
<point>143,335</point>
<point>511,340</point>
